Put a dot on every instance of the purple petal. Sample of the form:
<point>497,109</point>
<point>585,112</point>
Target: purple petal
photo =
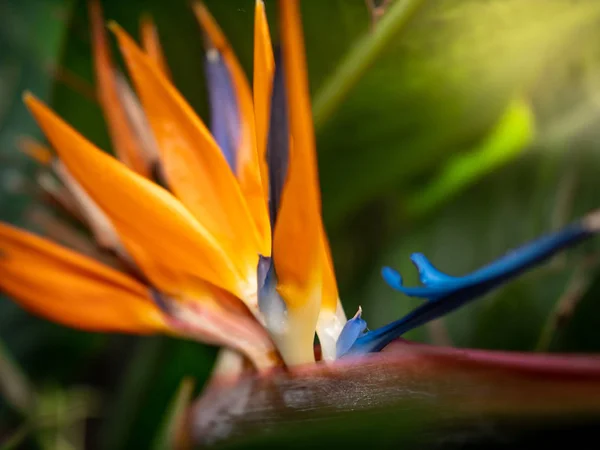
<point>224,111</point>
<point>278,139</point>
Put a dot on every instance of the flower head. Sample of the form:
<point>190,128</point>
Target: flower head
<point>212,233</point>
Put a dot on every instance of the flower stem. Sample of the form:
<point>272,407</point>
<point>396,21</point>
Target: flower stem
<point>356,62</point>
<point>136,384</point>
<point>565,306</point>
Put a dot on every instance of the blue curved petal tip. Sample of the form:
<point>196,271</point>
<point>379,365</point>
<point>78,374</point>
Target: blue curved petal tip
<point>392,277</point>
<point>446,293</point>
<point>353,329</point>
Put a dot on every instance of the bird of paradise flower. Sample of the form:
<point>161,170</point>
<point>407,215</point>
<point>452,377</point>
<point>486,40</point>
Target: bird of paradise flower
<point>214,235</point>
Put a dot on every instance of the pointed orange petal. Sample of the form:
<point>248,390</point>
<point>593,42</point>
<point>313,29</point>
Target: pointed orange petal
<point>264,69</point>
<point>35,150</point>
<point>124,140</point>
<point>151,44</point>
<point>71,289</point>
<point>195,168</point>
<point>172,248</point>
<point>301,196</point>
<point>297,241</point>
<point>248,170</point>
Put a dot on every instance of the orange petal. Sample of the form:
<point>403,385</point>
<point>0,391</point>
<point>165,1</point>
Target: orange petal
<point>127,146</point>
<point>35,150</point>
<point>195,168</point>
<point>151,44</point>
<point>66,287</point>
<point>248,169</point>
<point>71,289</point>
<point>301,196</point>
<point>170,246</point>
<point>264,69</point>
<point>297,240</point>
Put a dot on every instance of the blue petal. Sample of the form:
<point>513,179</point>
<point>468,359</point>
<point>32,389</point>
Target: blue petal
<point>264,271</point>
<point>446,293</point>
<point>278,139</point>
<point>224,111</point>
<point>353,329</point>
<point>270,303</point>
<point>160,300</point>
<point>427,273</point>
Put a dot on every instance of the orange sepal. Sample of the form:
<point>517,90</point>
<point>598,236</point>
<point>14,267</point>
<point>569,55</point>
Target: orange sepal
<point>35,150</point>
<point>248,160</point>
<point>127,146</point>
<point>195,168</point>
<point>264,69</point>
<point>297,240</point>
<point>151,44</point>
<point>72,289</point>
<point>172,248</point>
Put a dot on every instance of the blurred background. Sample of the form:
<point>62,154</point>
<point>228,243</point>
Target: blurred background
<point>461,131</point>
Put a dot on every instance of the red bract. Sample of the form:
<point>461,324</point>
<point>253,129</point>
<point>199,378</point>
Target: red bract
<point>406,387</point>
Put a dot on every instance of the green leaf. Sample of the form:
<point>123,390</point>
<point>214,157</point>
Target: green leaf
<point>513,132</point>
<point>440,87</point>
<point>175,417</point>
<point>141,406</point>
<point>31,37</point>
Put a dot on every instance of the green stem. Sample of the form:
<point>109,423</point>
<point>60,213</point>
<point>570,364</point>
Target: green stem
<point>564,307</point>
<point>138,381</point>
<point>169,433</point>
<point>360,58</point>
